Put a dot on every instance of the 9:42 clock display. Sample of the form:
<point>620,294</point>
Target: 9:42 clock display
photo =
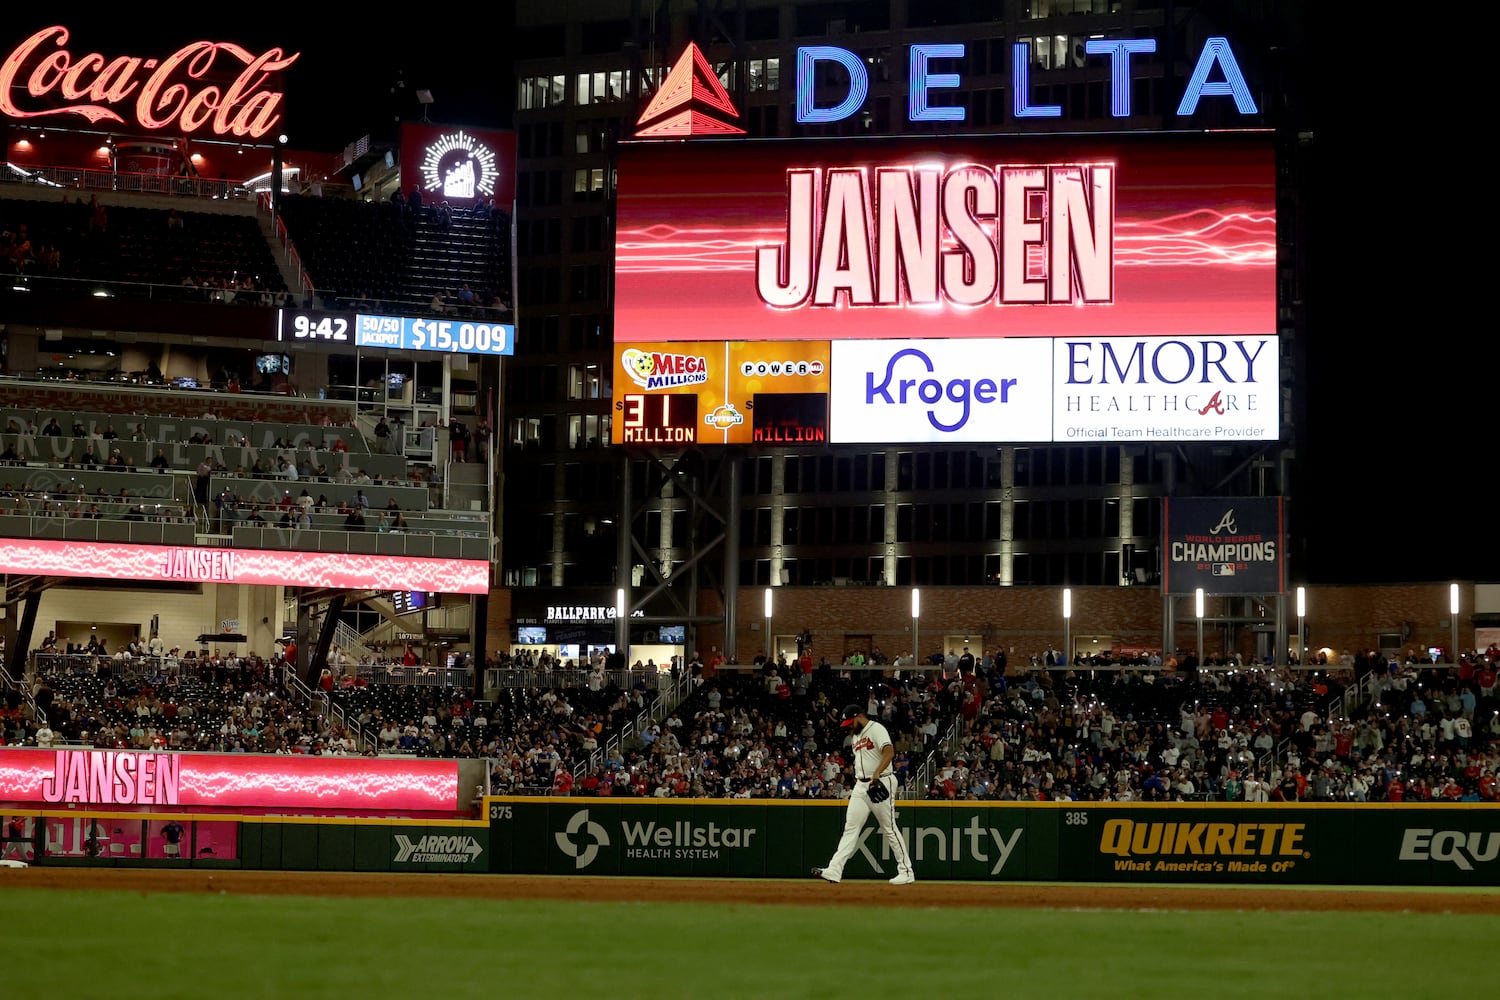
<point>664,418</point>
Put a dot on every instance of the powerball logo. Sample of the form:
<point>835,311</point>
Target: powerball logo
<point>663,370</point>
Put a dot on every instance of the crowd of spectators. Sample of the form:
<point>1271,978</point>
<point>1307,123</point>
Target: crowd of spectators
<point>81,504</point>
<point>1418,731</point>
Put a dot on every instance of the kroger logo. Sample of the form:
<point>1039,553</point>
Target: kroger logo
<point>941,390</point>
<point>908,379</point>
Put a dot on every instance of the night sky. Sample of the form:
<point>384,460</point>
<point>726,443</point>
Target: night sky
<point>1395,475</point>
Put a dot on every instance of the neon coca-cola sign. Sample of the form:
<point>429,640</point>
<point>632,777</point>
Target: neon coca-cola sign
<point>165,93</point>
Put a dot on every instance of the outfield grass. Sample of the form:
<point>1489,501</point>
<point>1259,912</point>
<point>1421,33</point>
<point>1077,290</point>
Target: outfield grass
<point>116,945</point>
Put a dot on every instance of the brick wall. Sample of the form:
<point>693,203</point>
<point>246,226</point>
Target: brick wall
<point>1028,619</point>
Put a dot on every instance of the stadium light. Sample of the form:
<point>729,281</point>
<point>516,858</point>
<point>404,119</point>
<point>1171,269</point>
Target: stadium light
<point>1199,598</point>
<point>1453,617</point>
<point>1301,624</point>
<point>916,614</point>
<point>768,625</point>
<point>1068,625</point>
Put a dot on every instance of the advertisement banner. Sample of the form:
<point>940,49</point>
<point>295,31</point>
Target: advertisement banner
<point>1145,235</point>
<point>1203,389</point>
<point>1226,546</point>
<point>141,778</point>
<point>941,390</point>
<point>1203,843</point>
<point>721,392</point>
<point>190,564</point>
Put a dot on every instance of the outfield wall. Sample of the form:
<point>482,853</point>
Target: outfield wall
<point>1350,844</point>
<point>1213,843</point>
<point>342,844</point>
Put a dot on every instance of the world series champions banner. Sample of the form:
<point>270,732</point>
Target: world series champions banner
<point>1232,545</point>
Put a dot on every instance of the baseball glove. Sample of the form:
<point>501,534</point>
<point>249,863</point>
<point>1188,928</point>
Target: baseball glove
<point>878,792</point>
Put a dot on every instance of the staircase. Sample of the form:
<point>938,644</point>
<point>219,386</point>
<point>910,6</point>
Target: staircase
<point>288,263</point>
<point>352,644</point>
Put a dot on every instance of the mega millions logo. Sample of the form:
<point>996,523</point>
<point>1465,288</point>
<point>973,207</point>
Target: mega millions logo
<point>664,370</point>
<point>585,848</point>
<point>459,166</point>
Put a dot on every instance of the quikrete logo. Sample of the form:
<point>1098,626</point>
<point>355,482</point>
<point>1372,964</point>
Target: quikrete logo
<point>435,848</point>
<point>1197,847</point>
<point>1454,846</point>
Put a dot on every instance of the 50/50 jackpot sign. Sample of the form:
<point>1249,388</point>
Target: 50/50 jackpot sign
<point>404,333</point>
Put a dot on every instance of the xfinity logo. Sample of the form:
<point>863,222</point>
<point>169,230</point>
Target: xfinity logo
<point>451,850</point>
<point>583,850</point>
<point>1454,846</point>
<point>974,842</point>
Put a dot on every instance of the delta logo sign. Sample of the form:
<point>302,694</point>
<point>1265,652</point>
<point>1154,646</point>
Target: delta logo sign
<point>692,101</point>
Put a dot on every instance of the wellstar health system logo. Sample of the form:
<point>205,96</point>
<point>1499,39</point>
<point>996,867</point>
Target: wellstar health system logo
<point>597,837</point>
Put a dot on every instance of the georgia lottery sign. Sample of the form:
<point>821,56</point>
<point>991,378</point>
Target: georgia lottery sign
<point>721,392</point>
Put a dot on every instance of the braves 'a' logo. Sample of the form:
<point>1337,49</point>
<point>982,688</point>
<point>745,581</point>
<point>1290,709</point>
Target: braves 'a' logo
<point>1216,403</point>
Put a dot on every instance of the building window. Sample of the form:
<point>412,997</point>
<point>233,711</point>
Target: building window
<point>765,74</point>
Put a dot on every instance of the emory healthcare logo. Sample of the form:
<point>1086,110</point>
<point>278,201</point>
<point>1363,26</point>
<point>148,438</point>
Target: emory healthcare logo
<point>567,842</point>
<point>454,850</point>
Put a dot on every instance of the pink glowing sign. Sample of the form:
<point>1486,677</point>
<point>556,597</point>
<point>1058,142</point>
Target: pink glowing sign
<point>124,777</point>
<point>246,566</point>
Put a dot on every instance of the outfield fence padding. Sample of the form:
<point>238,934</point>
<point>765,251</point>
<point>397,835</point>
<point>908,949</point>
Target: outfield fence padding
<point>1303,844</point>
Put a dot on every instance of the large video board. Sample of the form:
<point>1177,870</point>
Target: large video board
<point>265,567</point>
<point>1145,235</point>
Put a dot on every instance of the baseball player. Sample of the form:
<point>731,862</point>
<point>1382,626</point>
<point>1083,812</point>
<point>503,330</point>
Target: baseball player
<point>872,794</point>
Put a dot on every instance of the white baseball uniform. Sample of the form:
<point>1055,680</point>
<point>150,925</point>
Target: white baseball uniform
<point>868,745</point>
